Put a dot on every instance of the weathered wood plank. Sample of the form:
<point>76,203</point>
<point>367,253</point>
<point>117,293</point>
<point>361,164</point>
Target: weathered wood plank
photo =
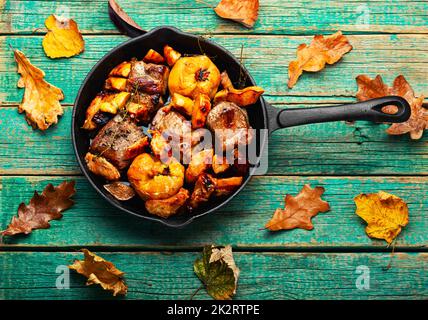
<point>267,59</point>
<point>32,275</point>
<point>93,222</point>
<point>275,16</point>
<point>335,149</point>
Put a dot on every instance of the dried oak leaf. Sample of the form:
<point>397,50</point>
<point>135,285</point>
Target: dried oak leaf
<point>313,58</point>
<point>245,12</point>
<point>376,88</point>
<point>63,39</point>
<point>384,213</point>
<point>41,99</point>
<point>42,208</point>
<point>299,210</point>
<point>217,271</point>
<point>100,271</point>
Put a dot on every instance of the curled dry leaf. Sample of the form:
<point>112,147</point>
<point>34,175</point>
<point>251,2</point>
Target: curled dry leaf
<point>42,208</point>
<point>217,271</point>
<point>376,88</point>
<point>313,58</point>
<point>299,210</point>
<point>41,99</point>
<point>63,39</point>
<point>245,12</point>
<point>100,271</point>
<point>120,190</point>
<point>384,213</point>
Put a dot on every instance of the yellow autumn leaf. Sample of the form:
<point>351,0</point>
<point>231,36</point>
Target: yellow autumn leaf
<point>41,99</point>
<point>63,39</point>
<point>100,271</point>
<point>384,213</point>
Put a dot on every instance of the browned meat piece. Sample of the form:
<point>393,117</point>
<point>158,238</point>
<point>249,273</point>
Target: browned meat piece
<point>101,167</point>
<point>171,121</point>
<point>227,115</point>
<point>119,141</point>
<point>143,107</point>
<point>148,77</point>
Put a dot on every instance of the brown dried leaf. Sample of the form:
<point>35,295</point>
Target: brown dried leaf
<point>100,271</point>
<point>376,88</point>
<point>63,39</point>
<point>313,58</point>
<point>41,99</point>
<point>299,210</point>
<point>245,12</point>
<point>42,208</point>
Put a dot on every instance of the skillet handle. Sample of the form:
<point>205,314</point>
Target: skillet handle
<point>124,23</point>
<point>370,110</point>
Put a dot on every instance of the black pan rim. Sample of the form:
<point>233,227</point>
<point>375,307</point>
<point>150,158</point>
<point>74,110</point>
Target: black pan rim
<point>83,166</point>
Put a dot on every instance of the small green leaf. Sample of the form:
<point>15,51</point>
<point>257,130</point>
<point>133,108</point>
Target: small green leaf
<point>217,271</point>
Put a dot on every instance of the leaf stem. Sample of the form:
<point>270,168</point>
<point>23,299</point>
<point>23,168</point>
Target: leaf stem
<point>196,291</point>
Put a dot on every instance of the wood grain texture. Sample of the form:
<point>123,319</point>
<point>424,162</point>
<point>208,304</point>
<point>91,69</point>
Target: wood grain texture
<point>32,275</point>
<point>93,222</point>
<point>275,16</point>
<point>334,149</point>
<point>266,58</point>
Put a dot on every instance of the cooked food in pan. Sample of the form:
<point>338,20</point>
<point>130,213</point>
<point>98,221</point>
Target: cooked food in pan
<point>168,129</point>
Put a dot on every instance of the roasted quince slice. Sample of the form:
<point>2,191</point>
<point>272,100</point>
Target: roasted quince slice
<point>105,102</point>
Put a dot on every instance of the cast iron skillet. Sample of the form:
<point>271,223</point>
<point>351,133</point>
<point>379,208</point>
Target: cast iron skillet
<point>262,115</point>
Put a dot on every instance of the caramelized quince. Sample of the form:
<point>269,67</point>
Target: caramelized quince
<point>193,76</point>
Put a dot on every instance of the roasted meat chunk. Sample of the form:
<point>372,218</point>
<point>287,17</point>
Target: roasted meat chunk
<point>167,120</point>
<point>230,124</point>
<point>119,141</point>
<point>143,107</point>
<point>148,77</point>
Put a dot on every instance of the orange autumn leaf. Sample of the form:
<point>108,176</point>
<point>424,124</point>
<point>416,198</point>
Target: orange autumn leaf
<point>41,99</point>
<point>42,208</point>
<point>100,271</point>
<point>376,88</point>
<point>299,210</point>
<point>384,213</point>
<point>313,58</point>
<point>245,12</point>
<point>63,39</point>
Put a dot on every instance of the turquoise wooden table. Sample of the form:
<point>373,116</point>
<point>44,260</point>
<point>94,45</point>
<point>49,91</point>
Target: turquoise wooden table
<point>389,38</point>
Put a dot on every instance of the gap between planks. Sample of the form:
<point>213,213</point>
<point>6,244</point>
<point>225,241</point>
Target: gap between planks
<point>198,248</point>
